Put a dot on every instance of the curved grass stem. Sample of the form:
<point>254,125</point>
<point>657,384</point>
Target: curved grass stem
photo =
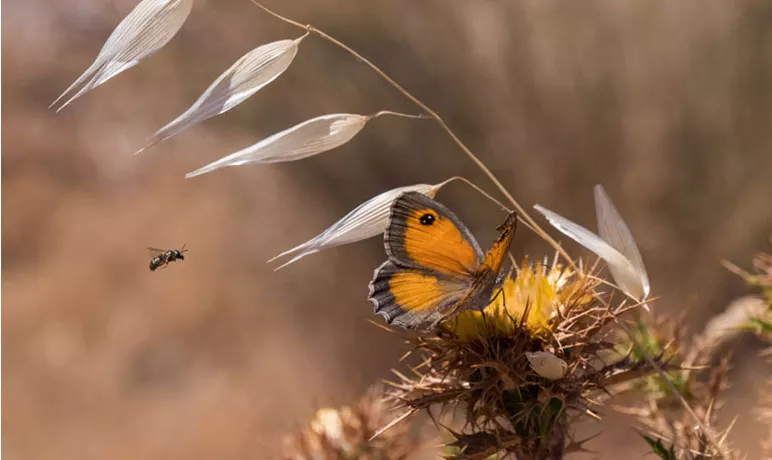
<point>521,211</point>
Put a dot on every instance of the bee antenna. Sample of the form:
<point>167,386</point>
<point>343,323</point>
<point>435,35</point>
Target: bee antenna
<point>183,249</point>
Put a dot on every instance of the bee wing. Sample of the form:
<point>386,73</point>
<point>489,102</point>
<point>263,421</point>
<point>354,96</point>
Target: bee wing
<point>154,251</point>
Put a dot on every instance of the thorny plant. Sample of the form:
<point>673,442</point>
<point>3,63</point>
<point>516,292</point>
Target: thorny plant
<point>526,368</point>
<point>550,349</point>
<point>754,313</point>
<point>346,432</point>
<point>665,425</point>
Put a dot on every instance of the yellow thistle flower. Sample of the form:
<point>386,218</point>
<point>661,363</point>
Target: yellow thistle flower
<point>543,290</point>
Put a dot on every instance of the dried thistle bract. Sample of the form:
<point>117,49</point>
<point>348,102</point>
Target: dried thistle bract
<point>347,432</point>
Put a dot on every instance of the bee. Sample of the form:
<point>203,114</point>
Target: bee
<point>162,257</point>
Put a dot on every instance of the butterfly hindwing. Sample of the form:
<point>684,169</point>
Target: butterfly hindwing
<point>410,297</point>
<point>425,234</point>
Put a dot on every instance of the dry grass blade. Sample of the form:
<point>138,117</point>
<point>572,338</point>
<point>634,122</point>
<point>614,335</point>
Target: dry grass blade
<point>622,269</point>
<point>613,229</point>
<point>245,77</point>
<point>149,26</point>
<point>367,220</point>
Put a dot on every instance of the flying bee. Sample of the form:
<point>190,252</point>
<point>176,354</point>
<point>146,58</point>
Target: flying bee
<point>162,257</point>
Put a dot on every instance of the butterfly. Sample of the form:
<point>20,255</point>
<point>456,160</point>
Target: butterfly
<point>435,267</point>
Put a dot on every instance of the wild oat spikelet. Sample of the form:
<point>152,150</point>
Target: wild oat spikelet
<point>346,432</point>
<point>524,368</point>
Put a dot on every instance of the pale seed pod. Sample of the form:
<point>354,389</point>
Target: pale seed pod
<point>547,365</point>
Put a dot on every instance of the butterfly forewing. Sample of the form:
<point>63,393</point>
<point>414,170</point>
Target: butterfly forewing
<point>494,259</point>
<point>425,234</point>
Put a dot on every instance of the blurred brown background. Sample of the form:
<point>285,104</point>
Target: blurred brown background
<point>668,104</point>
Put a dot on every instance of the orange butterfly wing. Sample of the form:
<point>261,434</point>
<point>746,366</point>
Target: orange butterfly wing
<point>494,259</point>
<point>426,235</point>
<point>412,297</point>
<point>432,262</point>
<point>435,265</point>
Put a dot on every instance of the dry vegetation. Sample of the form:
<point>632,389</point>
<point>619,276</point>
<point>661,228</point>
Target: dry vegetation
<point>668,104</point>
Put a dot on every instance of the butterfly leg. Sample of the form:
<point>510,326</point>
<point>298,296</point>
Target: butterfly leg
<point>434,324</point>
<point>503,295</point>
<point>485,322</point>
<point>506,310</point>
<point>500,291</point>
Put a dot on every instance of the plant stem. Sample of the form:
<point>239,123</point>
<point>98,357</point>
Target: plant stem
<point>521,211</point>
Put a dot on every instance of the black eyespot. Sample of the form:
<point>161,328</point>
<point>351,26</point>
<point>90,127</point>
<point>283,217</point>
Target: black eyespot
<point>427,219</point>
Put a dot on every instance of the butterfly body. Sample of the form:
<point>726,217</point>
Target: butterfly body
<point>435,267</point>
